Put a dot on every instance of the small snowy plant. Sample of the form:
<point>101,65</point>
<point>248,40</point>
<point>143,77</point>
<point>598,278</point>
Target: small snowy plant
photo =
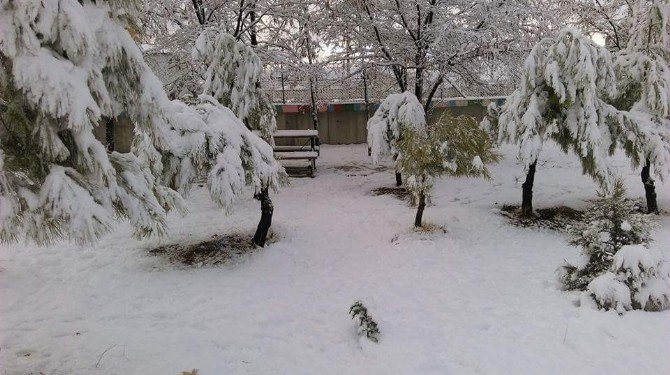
<point>396,115</point>
<point>453,146</point>
<point>609,225</point>
<point>561,97</point>
<point>366,326</point>
<point>637,280</point>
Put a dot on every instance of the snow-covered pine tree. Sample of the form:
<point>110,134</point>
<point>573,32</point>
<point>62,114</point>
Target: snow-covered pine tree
<point>611,223</point>
<point>232,76</point>
<point>216,144</point>
<point>453,146</point>
<point>395,114</point>
<point>638,279</point>
<point>561,97</point>
<point>67,66</point>
<point>643,77</point>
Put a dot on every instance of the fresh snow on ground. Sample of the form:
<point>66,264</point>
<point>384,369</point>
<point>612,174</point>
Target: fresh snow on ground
<point>481,298</point>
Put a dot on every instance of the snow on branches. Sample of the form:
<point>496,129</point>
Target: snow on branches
<point>561,96</point>
<point>611,223</point>
<point>232,76</point>
<point>397,113</point>
<point>643,74</point>
<point>70,65</point>
<point>216,144</point>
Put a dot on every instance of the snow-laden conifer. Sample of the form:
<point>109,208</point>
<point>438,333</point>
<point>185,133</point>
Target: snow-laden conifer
<point>643,77</point>
<point>232,76</point>
<point>609,224</point>
<point>68,65</point>
<point>638,279</point>
<point>562,96</point>
<point>453,146</point>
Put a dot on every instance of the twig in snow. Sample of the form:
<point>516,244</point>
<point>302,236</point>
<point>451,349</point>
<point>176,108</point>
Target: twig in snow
<point>102,354</point>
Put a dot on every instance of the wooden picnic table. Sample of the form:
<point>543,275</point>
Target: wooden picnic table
<point>309,151</point>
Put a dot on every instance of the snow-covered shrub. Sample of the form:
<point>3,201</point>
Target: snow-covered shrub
<point>453,146</point>
<point>609,224</point>
<point>636,280</point>
<point>366,326</point>
<point>66,67</point>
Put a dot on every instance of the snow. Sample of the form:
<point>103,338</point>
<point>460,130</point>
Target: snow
<point>480,298</point>
<point>385,127</point>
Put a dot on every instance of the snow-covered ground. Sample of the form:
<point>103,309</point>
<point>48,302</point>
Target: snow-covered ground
<point>480,298</point>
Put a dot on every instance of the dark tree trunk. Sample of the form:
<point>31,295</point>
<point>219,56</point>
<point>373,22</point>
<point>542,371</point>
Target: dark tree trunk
<point>649,189</point>
<point>398,179</point>
<point>527,191</point>
<point>266,218</point>
<point>419,211</point>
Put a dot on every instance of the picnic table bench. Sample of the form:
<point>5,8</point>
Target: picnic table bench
<point>308,150</point>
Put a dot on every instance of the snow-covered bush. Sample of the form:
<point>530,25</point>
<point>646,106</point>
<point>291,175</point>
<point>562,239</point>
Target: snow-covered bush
<point>453,146</point>
<point>67,66</point>
<point>233,76</point>
<point>562,96</point>
<point>636,280</point>
<point>611,223</point>
<point>366,326</point>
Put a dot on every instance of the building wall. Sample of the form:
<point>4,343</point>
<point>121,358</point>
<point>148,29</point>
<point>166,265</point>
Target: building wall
<point>338,123</point>
<point>350,126</point>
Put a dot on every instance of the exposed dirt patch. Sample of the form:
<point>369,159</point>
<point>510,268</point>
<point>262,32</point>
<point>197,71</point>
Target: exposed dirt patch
<point>398,192</point>
<point>216,251</point>
<point>556,218</point>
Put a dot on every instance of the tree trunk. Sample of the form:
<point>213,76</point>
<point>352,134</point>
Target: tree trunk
<point>649,189</point>
<point>527,191</point>
<point>398,179</point>
<point>266,218</point>
<point>419,211</point>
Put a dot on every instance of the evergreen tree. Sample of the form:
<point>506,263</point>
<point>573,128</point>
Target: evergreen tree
<point>216,144</point>
<point>562,97</point>
<point>67,66</point>
<point>643,76</point>
<point>611,223</point>
<point>232,76</point>
<point>637,280</point>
